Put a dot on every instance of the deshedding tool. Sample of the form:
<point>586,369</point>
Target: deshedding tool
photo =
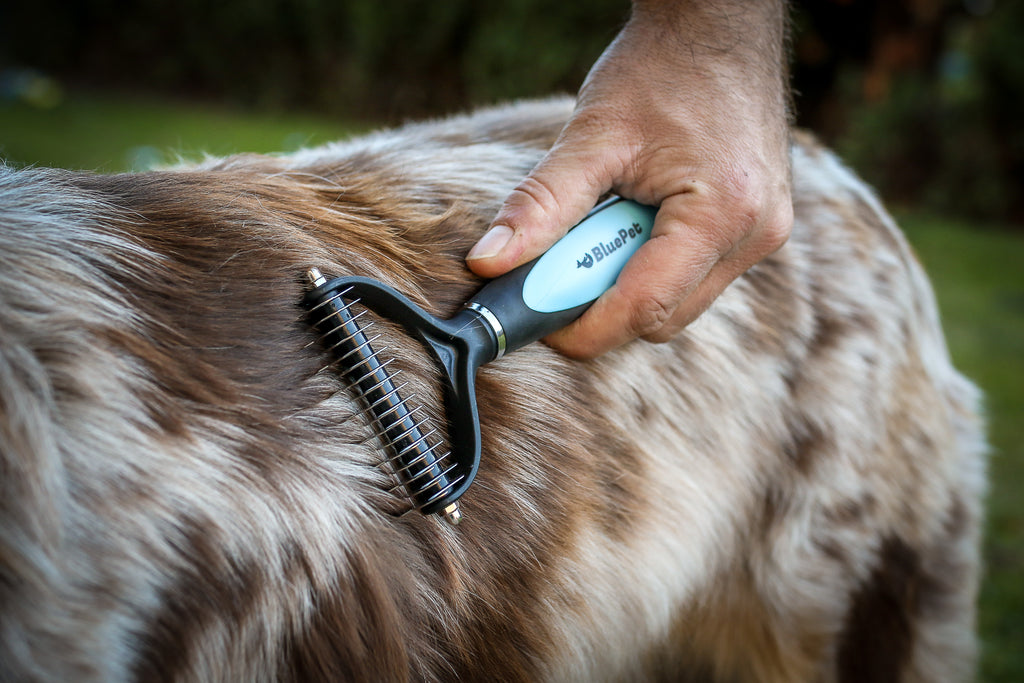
<point>509,312</point>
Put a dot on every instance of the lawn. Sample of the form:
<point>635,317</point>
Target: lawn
<point>976,270</point>
<point>119,133</point>
<point>979,282</point>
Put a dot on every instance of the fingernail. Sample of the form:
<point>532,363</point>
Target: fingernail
<point>491,243</point>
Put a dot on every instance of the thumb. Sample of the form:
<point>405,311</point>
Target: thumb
<point>556,195</point>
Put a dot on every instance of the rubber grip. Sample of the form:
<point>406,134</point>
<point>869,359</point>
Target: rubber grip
<point>548,293</point>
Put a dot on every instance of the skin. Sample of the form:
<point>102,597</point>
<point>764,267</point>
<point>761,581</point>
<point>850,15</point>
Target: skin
<point>687,109</point>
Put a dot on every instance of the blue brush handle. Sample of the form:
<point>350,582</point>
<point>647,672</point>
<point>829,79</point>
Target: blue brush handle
<point>548,293</point>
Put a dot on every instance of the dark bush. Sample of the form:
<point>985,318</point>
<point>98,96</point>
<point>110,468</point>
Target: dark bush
<point>922,96</point>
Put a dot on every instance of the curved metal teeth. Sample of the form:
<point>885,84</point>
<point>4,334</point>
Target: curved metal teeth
<point>413,428</point>
<point>439,477</point>
<point>424,454</point>
<point>435,480</point>
<point>441,493</point>
<point>335,296</point>
<point>370,410</point>
<point>404,432</point>
<point>380,369</point>
<point>422,439</point>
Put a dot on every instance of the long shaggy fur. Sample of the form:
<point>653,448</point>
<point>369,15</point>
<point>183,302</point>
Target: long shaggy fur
<point>789,491</point>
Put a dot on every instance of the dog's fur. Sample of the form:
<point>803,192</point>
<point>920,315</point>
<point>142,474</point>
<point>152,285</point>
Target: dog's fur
<point>789,491</point>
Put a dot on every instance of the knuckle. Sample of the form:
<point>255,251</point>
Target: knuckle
<point>776,230</point>
<point>649,316</point>
<point>747,204</point>
<point>531,197</point>
<point>760,214</point>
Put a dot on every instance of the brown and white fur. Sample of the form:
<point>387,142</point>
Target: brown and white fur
<point>789,491</point>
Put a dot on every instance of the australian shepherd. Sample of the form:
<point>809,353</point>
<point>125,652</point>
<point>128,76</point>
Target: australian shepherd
<point>790,490</point>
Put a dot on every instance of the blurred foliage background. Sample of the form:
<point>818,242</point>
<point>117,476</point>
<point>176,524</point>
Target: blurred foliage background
<point>925,98</point>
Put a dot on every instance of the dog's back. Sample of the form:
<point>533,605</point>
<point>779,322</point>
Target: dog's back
<point>790,490</point>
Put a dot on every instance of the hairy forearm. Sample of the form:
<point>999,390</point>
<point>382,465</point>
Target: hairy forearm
<point>743,37</point>
<point>720,27</point>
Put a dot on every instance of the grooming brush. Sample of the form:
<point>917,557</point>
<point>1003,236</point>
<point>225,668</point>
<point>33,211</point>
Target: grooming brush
<point>509,312</point>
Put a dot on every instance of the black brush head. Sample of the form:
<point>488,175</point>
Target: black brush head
<point>432,478</point>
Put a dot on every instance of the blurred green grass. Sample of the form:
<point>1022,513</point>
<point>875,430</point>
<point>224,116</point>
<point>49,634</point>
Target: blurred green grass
<point>979,281</point>
<point>976,271</point>
<point>111,133</point>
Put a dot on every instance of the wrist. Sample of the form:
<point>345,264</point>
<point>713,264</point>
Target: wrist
<point>728,51</point>
<point>741,31</point>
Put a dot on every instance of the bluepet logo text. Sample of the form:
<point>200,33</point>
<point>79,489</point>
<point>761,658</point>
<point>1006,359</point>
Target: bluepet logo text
<point>602,249</point>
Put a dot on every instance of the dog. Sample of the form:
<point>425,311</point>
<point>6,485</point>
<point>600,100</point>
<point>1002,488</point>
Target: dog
<point>791,490</point>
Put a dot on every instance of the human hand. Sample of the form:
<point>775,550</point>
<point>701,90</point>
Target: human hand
<point>683,113</point>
